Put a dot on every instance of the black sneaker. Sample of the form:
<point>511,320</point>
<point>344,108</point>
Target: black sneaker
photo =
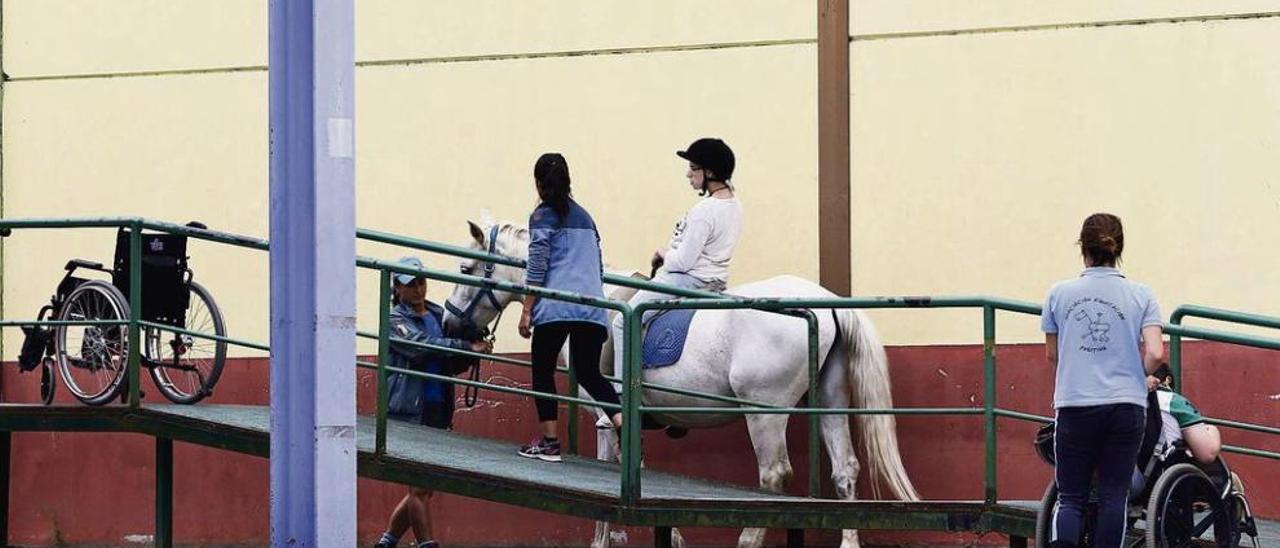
<point>542,449</point>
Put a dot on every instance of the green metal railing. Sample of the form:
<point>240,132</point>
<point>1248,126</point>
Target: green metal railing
<point>632,409</point>
<point>1177,331</point>
<point>631,377</point>
<point>135,322</point>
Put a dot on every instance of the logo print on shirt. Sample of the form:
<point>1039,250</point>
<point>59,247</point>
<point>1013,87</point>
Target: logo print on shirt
<point>1098,329</point>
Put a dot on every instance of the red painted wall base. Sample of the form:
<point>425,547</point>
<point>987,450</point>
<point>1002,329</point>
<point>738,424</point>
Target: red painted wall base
<point>98,488</point>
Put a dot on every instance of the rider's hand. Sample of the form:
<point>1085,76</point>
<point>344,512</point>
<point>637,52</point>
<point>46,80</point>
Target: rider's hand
<point>657,260</point>
<point>1152,383</point>
<point>484,347</point>
<point>525,319</point>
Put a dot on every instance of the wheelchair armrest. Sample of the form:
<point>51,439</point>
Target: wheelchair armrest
<point>81,263</point>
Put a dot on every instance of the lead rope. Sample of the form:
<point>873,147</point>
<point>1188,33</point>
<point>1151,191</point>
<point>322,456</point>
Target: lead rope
<point>471,392</point>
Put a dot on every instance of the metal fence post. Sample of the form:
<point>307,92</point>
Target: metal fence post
<point>164,492</point>
<point>989,398</point>
<point>6,447</point>
<point>384,347</point>
<point>630,491</point>
<point>1175,356</point>
<point>135,313</point>
<point>815,424</point>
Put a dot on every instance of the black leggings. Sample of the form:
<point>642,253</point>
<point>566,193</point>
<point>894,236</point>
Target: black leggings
<point>585,341</point>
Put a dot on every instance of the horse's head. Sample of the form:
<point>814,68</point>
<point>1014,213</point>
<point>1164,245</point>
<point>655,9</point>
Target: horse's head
<point>471,309</point>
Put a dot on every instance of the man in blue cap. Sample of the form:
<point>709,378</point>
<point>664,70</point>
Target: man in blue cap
<point>414,399</point>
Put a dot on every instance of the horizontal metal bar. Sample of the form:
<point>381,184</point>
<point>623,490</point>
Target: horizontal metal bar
<point>1222,336</point>
<point>1251,452</point>
<point>876,302</point>
<point>148,224</point>
<point>468,253</point>
<point>1245,426</point>
<point>58,323</point>
<point>70,222</point>
<point>704,395</point>
<point>477,281</point>
<point>507,389</point>
<point>452,351</point>
<point>201,335</point>
<point>523,363</point>
<point>435,247</point>
<point>1224,315</point>
<point>809,411</point>
<point>1022,416</point>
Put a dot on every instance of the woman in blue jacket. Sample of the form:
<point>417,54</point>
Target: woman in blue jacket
<point>414,399</point>
<point>564,254</point>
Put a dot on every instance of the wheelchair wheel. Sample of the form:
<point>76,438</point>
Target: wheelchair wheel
<point>1044,519</point>
<point>48,380</point>
<point>185,367</point>
<point>93,358</point>
<point>1184,506</point>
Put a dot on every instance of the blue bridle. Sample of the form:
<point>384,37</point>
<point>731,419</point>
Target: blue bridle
<point>485,293</point>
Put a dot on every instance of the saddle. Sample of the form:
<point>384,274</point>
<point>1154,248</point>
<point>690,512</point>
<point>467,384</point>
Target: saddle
<point>664,337</point>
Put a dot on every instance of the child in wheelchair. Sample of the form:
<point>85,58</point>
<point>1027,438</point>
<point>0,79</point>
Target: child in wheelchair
<point>1179,480</point>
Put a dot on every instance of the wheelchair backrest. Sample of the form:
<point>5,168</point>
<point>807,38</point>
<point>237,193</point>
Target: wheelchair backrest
<point>165,295</point>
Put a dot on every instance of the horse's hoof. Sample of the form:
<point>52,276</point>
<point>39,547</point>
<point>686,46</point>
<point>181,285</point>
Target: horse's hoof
<point>676,432</point>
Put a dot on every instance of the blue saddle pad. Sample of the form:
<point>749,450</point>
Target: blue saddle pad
<point>664,339</point>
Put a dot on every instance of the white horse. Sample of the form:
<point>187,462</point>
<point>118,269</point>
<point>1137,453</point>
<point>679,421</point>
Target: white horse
<point>750,354</point>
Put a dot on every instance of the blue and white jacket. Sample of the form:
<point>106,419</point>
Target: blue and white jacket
<point>564,254</point>
<point>406,395</point>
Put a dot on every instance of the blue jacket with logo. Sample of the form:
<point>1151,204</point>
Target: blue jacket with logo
<point>407,394</point>
<point>564,254</point>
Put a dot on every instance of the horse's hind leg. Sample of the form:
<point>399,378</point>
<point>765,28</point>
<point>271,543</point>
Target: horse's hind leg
<point>833,393</point>
<point>769,438</point>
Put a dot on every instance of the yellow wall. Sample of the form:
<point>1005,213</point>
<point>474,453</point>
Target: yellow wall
<point>975,154</point>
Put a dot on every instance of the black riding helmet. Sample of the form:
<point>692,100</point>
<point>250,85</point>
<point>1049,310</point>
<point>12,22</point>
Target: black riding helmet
<point>712,154</point>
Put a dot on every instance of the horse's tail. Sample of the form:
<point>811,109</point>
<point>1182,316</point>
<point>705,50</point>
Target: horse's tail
<point>869,380</point>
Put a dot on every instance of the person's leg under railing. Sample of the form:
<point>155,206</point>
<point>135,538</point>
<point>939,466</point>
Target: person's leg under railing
<point>1124,425</point>
<point>1075,452</point>
<point>547,340</point>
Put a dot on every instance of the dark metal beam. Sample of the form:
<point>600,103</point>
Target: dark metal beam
<point>164,493</point>
<point>834,147</point>
<point>6,445</point>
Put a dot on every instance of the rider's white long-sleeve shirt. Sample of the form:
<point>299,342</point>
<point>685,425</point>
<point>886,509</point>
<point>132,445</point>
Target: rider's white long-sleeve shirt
<point>702,244</point>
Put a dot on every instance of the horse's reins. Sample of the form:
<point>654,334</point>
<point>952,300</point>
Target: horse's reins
<point>471,392</point>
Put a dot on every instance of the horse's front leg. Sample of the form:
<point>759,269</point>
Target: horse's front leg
<point>607,450</point>
<point>769,438</point>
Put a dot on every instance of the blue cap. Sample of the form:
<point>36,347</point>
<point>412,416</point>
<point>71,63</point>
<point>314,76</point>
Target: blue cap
<point>411,262</point>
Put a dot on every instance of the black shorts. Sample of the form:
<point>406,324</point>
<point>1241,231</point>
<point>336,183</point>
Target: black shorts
<point>438,414</point>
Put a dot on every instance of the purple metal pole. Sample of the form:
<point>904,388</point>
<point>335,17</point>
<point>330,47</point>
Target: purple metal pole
<point>313,466</point>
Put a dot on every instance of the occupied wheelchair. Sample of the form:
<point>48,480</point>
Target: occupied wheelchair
<point>93,359</point>
<point>1181,502</point>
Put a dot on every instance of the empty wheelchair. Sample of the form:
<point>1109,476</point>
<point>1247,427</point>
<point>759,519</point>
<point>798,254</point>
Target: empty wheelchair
<point>92,360</point>
<point>1179,502</point>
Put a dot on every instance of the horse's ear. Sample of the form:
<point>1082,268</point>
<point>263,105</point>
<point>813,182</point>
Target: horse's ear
<point>477,233</point>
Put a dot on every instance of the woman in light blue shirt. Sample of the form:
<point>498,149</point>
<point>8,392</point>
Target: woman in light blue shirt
<point>1103,334</point>
<point>564,254</point>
